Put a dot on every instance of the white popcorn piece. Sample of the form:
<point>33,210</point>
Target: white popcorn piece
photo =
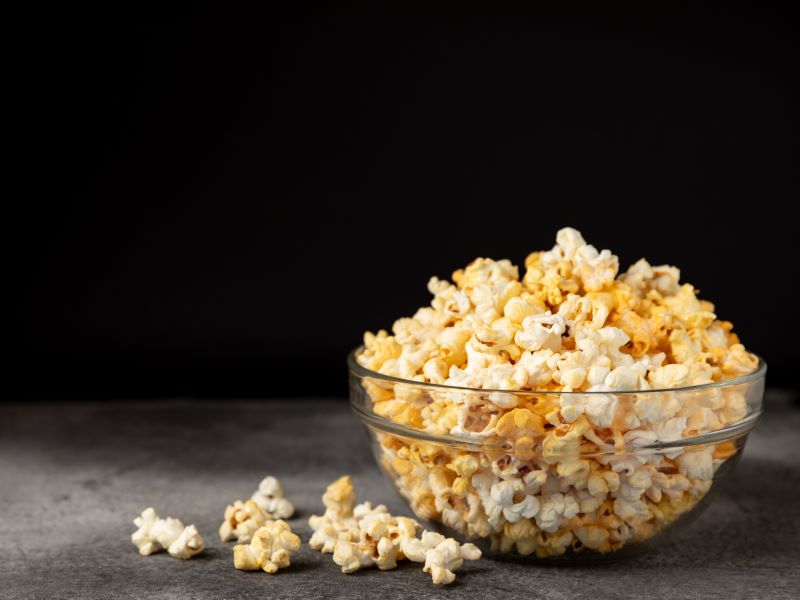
<point>328,530</point>
<point>542,331</point>
<point>269,496</point>
<point>352,556</point>
<point>553,508</point>
<point>597,269</point>
<point>170,534</point>
<point>442,556</point>
<point>503,493</point>
<point>187,544</point>
<point>142,537</point>
<point>697,463</point>
<point>242,520</point>
<point>600,408</point>
<point>270,549</point>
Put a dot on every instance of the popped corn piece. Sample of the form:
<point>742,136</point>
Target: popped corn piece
<point>352,556</point>
<point>521,535</point>
<point>170,534</point>
<point>600,408</point>
<point>270,497</point>
<point>504,493</point>
<point>697,463</point>
<point>642,277</point>
<point>553,544</point>
<point>554,508</point>
<point>596,269</point>
<point>442,556</point>
<point>340,496</point>
<point>270,549</point>
<point>594,537</point>
<point>738,361</point>
<point>142,537</point>
<point>564,442</point>
<point>329,529</point>
<point>522,428</point>
<point>187,544</point>
<point>668,376</point>
<point>542,331</point>
<point>656,408</point>
<point>242,520</point>
<point>625,378</point>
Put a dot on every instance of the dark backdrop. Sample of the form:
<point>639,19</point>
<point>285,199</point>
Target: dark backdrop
<point>235,203</point>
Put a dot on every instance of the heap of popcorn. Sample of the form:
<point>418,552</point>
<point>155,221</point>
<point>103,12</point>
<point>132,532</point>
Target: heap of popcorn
<point>569,464</point>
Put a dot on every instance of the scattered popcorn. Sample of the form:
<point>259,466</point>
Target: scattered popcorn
<point>358,535</point>
<point>442,556</point>
<point>584,369</point>
<point>361,536</point>
<point>242,519</point>
<point>170,534</point>
<point>270,549</point>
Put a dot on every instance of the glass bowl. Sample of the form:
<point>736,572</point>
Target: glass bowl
<point>503,469</point>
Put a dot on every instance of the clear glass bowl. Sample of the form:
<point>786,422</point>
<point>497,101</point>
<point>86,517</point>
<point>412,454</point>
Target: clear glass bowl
<point>526,485</point>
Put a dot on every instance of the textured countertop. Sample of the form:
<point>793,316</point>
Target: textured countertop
<point>74,475</point>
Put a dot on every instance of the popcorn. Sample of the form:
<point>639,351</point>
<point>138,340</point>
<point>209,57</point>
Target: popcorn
<point>379,539</point>
<point>269,496</point>
<point>576,377</point>
<point>504,492</point>
<point>337,522</point>
<point>523,428</point>
<point>600,408</point>
<point>442,556</point>
<point>554,508</point>
<point>541,331</point>
<point>155,533</point>
<point>363,536</point>
<point>359,536</point>
<point>697,464</point>
<point>270,549</point>
<point>352,556</point>
<point>340,497</point>
<point>242,520</point>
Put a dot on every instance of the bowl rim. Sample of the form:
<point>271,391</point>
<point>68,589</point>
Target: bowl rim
<point>758,373</point>
<point>730,432</point>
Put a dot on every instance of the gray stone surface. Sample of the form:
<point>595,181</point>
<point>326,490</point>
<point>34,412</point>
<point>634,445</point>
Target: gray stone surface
<point>72,476</point>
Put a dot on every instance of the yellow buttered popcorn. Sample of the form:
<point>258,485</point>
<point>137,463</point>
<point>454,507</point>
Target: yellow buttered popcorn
<point>270,549</point>
<point>560,380</point>
<point>242,520</point>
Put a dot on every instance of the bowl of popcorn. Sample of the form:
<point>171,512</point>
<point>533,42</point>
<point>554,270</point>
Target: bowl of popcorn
<point>573,411</point>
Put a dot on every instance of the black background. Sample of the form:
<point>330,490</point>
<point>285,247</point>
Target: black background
<point>233,199</point>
